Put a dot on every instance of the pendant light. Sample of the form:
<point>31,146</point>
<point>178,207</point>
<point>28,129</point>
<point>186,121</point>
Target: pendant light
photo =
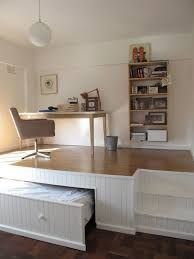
<point>40,33</point>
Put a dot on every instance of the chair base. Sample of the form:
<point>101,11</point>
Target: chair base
<point>36,153</point>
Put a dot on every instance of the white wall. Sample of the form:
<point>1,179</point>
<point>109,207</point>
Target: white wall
<point>192,133</point>
<point>104,65</point>
<point>16,90</point>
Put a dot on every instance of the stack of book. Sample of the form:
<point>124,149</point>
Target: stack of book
<point>138,136</point>
<point>72,107</point>
<point>159,71</point>
<point>140,72</point>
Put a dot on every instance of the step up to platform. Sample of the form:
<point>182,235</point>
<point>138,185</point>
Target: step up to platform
<point>164,203</point>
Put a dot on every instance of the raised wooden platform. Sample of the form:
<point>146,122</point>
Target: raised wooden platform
<point>123,162</point>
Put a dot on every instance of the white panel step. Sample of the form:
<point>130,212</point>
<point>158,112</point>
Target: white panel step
<point>177,214</point>
<point>177,184</point>
<point>165,206</point>
<point>146,201</point>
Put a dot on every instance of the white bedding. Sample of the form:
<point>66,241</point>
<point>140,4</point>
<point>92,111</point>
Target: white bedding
<point>51,193</point>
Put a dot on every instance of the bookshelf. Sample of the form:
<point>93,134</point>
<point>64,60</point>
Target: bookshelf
<point>148,101</point>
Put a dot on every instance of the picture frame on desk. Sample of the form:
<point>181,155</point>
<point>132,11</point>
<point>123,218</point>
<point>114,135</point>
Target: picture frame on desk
<point>49,84</point>
<point>92,104</point>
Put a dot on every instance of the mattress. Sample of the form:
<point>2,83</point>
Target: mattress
<point>50,192</point>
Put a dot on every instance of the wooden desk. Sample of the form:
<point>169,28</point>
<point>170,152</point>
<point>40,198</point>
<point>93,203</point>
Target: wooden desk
<point>60,115</point>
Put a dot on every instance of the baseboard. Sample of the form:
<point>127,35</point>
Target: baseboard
<point>115,228</point>
<point>26,143</point>
<point>164,232</point>
<point>154,145</point>
<point>43,237</point>
<point>9,148</point>
<point>192,153</point>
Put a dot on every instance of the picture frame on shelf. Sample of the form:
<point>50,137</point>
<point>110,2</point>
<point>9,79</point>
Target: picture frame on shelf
<point>152,89</point>
<point>158,118</point>
<point>159,103</point>
<point>49,84</point>
<point>140,52</point>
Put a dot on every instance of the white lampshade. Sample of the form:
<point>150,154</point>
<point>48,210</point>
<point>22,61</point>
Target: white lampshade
<point>40,34</point>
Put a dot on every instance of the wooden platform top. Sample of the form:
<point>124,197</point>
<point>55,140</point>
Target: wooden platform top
<point>123,162</point>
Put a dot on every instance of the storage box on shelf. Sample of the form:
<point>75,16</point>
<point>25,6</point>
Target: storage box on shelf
<point>148,97</point>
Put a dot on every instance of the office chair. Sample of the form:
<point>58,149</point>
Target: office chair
<point>33,129</point>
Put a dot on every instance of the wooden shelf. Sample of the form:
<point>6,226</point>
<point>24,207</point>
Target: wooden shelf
<point>146,78</point>
<point>150,95</point>
<point>150,110</point>
<point>149,63</point>
<point>138,95</point>
<point>149,125</point>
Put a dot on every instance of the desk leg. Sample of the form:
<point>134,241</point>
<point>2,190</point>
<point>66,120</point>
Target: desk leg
<point>104,129</point>
<point>92,134</point>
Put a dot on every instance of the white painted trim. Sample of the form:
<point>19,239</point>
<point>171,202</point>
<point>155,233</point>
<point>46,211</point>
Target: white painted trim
<point>164,232</point>
<point>192,153</point>
<point>115,228</point>
<point>139,171</point>
<point>9,148</point>
<point>159,145</point>
<point>42,170</point>
<point>26,143</point>
<point>41,237</point>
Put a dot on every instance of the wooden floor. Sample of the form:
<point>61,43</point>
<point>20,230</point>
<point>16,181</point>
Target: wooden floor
<point>123,162</point>
<point>101,245</point>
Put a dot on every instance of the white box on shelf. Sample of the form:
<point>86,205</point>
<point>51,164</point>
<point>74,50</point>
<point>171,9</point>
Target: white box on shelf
<point>157,135</point>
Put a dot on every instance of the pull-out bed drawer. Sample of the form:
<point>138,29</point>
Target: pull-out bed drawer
<point>48,213</point>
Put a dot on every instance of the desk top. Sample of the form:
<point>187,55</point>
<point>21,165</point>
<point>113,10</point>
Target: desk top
<point>61,114</point>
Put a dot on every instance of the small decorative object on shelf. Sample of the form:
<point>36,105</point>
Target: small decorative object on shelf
<point>148,91</point>
<point>139,52</point>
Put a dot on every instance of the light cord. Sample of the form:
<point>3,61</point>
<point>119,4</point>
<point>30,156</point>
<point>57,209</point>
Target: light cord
<point>39,18</point>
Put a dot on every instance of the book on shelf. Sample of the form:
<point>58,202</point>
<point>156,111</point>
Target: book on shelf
<point>137,124</point>
<point>138,136</point>
<point>146,72</point>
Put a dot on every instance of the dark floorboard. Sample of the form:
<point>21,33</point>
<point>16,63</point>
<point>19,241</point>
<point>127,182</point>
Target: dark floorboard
<point>101,244</point>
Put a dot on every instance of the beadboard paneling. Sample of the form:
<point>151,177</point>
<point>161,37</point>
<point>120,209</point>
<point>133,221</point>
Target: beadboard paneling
<point>114,195</point>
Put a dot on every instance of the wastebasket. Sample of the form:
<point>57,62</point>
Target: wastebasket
<point>111,143</point>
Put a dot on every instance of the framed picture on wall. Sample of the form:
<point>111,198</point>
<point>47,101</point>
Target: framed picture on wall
<point>49,84</point>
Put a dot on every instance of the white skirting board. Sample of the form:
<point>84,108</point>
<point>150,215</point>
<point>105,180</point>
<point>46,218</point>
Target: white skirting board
<point>165,232</point>
<point>119,229</point>
<point>45,238</point>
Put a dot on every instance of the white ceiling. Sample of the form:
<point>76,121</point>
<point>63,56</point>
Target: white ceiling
<point>80,21</point>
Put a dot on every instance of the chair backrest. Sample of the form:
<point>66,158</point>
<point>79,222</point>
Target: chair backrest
<point>16,119</point>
